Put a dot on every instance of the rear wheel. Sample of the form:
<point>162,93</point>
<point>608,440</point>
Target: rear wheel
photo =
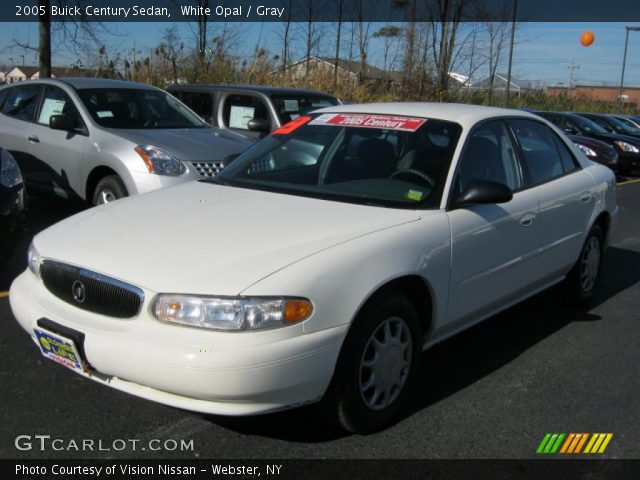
<point>377,367</point>
<point>584,276</point>
<point>109,189</point>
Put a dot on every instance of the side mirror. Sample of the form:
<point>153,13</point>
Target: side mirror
<point>258,125</point>
<point>484,192</point>
<point>61,122</point>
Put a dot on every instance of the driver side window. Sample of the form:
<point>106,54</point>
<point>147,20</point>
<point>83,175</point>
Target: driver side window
<point>489,155</point>
<point>56,102</point>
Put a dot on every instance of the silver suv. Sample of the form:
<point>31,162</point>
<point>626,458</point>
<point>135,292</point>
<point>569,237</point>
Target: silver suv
<point>101,140</point>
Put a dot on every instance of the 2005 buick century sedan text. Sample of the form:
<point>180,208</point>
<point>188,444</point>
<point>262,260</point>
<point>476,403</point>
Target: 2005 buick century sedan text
<point>319,264</point>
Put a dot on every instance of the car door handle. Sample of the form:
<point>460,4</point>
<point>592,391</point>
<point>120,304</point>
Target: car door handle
<point>586,197</point>
<point>33,139</point>
<point>527,219</point>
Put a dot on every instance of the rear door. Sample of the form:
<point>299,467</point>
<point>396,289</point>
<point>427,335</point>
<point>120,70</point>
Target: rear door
<point>566,193</point>
<point>18,112</point>
<point>493,246</point>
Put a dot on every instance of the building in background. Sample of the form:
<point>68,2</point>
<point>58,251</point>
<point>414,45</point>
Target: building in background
<point>630,95</point>
<point>19,74</point>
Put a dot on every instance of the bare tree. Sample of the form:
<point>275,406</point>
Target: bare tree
<point>389,34</point>
<point>447,16</point>
<point>337,56</point>
<point>77,34</point>
<point>362,10</point>
<point>172,49</point>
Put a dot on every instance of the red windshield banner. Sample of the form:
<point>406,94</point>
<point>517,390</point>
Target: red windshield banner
<point>385,122</point>
<point>292,126</point>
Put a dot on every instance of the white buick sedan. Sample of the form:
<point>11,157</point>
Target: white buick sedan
<point>321,262</point>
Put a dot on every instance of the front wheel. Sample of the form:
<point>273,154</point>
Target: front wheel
<point>584,276</point>
<point>109,189</point>
<point>377,367</point>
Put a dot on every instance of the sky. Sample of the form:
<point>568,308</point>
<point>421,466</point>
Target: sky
<point>543,54</point>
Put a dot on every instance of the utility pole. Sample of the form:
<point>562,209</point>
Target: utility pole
<point>513,34</point>
<point>572,68</point>
<point>624,57</point>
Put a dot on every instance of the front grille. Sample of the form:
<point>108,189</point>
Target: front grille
<point>208,169</point>
<point>91,291</point>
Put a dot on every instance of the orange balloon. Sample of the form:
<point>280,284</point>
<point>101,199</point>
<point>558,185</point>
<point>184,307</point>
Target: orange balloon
<point>587,38</point>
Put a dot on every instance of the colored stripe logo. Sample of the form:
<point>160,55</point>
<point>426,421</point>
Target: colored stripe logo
<point>574,443</point>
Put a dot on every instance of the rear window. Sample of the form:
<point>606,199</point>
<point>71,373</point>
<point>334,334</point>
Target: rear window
<point>292,106</point>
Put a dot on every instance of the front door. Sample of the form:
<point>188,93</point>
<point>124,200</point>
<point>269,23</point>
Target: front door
<point>493,246</point>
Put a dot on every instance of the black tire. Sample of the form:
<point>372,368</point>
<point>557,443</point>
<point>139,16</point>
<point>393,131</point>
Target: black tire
<point>581,282</point>
<point>344,403</point>
<point>109,189</point>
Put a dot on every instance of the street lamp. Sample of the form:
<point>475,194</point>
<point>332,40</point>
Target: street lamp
<point>624,58</point>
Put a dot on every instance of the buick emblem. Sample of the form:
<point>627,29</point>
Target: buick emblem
<point>77,290</point>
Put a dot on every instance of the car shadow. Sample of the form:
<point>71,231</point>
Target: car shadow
<point>469,356</point>
<point>44,211</point>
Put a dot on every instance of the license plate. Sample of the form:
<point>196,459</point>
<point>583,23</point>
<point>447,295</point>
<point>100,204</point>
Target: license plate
<point>59,349</point>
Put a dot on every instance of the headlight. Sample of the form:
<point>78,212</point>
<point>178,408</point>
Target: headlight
<point>160,162</point>
<point>230,313</point>
<point>9,172</point>
<point>586,150</point>
<point>34,260</point>
<point>626,147</point>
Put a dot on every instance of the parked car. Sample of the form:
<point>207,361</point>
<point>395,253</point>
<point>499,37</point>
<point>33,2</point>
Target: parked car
<point>612,124</point>
<point>628,147</point>
<point>100,140</point>
<point>596,150</point>
<point>353,238</point>
<point>629,120</point>
<point>12,196</point>
<point>251,110</point>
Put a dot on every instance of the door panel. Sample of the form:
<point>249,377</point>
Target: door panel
<point>62,153</point>
<point>493,255</point>
<point>493,246</point>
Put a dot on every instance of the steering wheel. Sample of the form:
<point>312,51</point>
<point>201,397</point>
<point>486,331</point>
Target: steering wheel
<point>412,171</point>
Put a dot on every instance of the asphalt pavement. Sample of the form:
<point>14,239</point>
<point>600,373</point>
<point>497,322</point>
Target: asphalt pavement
<point>490,392</point>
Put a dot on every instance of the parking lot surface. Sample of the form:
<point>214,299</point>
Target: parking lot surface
<point>490,392</point>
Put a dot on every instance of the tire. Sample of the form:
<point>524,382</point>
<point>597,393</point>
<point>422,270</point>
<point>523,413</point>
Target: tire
<point>349,403</point>
<point>109,189</point>
<point>583,278</point>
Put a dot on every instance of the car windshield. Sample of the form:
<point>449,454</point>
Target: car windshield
<point>290,107</point>
<point>587,125</point>
<point>345,157</point>
<point>137,108</point>
<point>622,127</point>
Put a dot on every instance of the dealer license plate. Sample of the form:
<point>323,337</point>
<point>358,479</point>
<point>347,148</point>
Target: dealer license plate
<point>59,349</point>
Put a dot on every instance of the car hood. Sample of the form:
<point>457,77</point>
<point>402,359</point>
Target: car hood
<point>617,136</point>
<point>191,144</point>
<point>592,143</point>
<point>203,238</point>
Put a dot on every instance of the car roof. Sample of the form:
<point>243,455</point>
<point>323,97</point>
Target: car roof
<point>266,89</point>
<point>81,83</point>
<point>466,115</point>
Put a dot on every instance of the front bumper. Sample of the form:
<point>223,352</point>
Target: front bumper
<point>628,162</point>
<point>225,373</point>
